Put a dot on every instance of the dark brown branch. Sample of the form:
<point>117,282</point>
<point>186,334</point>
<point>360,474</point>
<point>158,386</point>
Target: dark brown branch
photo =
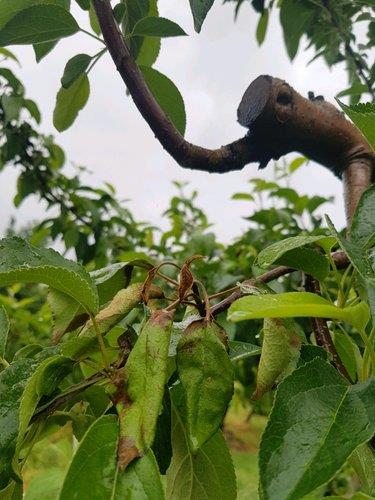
<point>340,259</point>
<point>322,334</point>
<point>278,118</point>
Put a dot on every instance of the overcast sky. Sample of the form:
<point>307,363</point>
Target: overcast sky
<point>211,70</point>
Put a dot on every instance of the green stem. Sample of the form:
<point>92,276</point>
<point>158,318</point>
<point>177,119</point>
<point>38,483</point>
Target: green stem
<point>100,342</point>
<point>4,362</point>
<point>96,59</point>
<point>369,354</point>
<point>92,35</point>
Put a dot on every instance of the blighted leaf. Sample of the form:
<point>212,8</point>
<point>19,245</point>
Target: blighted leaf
<point>74,69</point>
<point>94,472</point>
<point>311,431</point>
<point>121,304</point>
<point>69,103</point>
<point>207,473</point>
<point>280,353</point>
<point>138,390</point>
<point>296,304</point>
<point>4,330</point>
<point>206,375</point>
<point>199,9</point>
<point>21,262</point>
<point>167,95</point>
<point>36,24</point>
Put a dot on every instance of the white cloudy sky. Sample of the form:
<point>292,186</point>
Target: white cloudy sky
<point>212,70</point>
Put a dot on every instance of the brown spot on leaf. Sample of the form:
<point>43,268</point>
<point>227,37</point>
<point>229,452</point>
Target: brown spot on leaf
<point>126,452</point>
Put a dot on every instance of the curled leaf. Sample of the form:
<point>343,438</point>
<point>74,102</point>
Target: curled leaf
<point>206,375</point>
<point>280,353</point>
<point>138,389</point>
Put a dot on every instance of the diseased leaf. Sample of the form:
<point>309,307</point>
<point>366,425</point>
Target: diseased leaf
<point>74,69</point>
<point>95,464</point>
<point>21,262</point>
<point>294,305</point>
<point>203,475</point>
<point>167,95</point>
<point>241,350</point>
<point>280,353</point>
<point>37,24</point>
<point>311,431</point>
<point>69,103</point>
<point>157,27</point>
<point>4,330</point>
<point>199,9</point>
<point>206,375</point>
<point>138,392</point>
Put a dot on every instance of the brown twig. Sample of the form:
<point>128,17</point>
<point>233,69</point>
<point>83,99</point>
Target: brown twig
<point>321,331</point>
<point>279,119</point>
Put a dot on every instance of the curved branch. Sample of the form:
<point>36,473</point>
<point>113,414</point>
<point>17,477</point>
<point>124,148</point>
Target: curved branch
<point>279,120</point>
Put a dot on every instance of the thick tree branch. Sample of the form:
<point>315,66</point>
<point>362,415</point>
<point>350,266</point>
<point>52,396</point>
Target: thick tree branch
<point>278,118</point>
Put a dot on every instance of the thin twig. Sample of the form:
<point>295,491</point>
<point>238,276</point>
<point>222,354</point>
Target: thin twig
<point>322,334</point>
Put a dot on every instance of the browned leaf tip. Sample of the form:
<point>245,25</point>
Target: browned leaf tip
<point>126,452</point>
<point>145,295</point>
<point>186,277</point>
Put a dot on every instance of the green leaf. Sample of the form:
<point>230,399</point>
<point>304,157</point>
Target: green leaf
<point>203,475</point>
<point>84,4</point>
<point>157,26</point>
<point>273,252</point>
<point>206,375</point>
<point>296,304</point>
<point>9,8</point>
<point>363,116</point>
<point>311,431</point>
<point>8,54</point>
<point>199,9</point>
<point>349,353</point>
<point>95,464</point>
<point>37,24</point>
<point>41,50</point>
<point>4,330</point>
<point>296,164</point>
<point>307,260</point>
<point>33,109</point>
<point>290,11</point>
<point>94,23</point>
<point>241,350</point>
<point>74,69</point>
<point>167,95</point>
<point>363,462</point>
<point>262,27</point>
<point>280,352</point>
<point>43,382</point>
<point>12,106</point>
<point>363,224</point>
<point>142,383</point>
<point>21,262</point>
<point>150,48</point>
<point>69,103</point>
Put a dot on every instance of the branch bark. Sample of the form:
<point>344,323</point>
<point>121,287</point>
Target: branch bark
<point>279,120</point>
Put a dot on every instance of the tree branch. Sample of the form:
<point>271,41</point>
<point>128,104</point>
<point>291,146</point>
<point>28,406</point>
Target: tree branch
<point>278,118</point>
<point>340,258</point>
<point>322,334</point>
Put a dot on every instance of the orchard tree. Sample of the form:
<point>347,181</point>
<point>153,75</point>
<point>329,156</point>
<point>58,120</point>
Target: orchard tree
<point>141,363</point>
